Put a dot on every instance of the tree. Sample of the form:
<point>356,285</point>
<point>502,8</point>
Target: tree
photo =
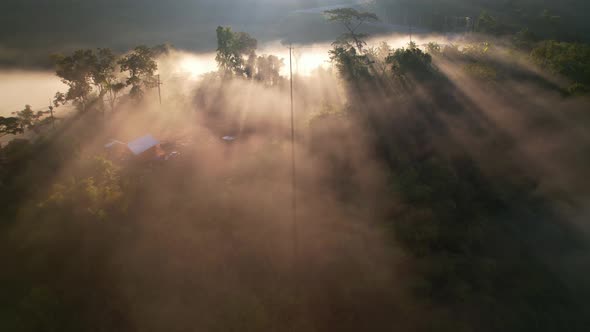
<point>58,100</point>
<point>104,77</point>
<point>410,63</point>
<point>97,195</point>
<point>10,126</point>
<point>268,69</point>
<point>76,72</point>
<point>232,47</point>
<point>571,60</point>
<point>351,66</point>
<point>114,90</point>
<point>86,70</point>
<point>378,55</point>
<point>141,66</point>
<point>352,21</point>
<point>348,53</point>
<point>236,57</point>
<point>27,118</point>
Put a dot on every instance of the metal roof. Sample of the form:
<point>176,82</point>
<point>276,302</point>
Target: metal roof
<point>142,144</point>
<point>113,143</point>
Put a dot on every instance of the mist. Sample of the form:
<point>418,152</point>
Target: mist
<point>18,88</point>
<point>424,182</point>
<point>182,68</point>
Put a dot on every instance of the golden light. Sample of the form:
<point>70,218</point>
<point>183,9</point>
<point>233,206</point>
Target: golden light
<point>197,65</point>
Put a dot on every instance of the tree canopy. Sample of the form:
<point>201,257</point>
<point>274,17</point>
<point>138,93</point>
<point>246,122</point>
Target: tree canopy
<point>141,67</point>
<point>235,52</point>
<point>348,51</point>
<point>352,20</point>
<point>76,71</point>
<point>10,126</point>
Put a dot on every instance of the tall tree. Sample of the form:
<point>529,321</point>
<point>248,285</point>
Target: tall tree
<point>352,66</point>
<point>76,72</point>
<point>141,67</point>
<point>86,71</point>
<point>352,60</point>
<point>232,48</point>
<point>352,20</point>
<point>104,76</point>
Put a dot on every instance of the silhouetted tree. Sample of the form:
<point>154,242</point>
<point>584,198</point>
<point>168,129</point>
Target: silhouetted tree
<point>351,66</point>
<point>85,71</point>
<point>268,69</point>
<point>141,67</point>
<point>10,126</point>
<point>232,48</point>
<point>76,72</point>
<point>104,77</point>
<point>348,53</point>
<point>352,20</point>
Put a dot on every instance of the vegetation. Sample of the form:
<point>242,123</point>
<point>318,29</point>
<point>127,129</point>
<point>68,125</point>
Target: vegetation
<point>545,19</point>
<point>10,126</point>
<point>428,198</point>
<point>568,59</point>
<point>88,71</point>
<point>236,57</point>
<point>410,61</point>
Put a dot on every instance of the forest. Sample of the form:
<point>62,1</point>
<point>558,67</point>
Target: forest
<point>441,185</point>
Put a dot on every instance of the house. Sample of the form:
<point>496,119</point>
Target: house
<point>143,148</point>
<point>146,148</point>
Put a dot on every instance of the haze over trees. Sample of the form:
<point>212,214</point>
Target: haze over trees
<point>440,187</point>
<point>236,57</point>
<point>94,76</point>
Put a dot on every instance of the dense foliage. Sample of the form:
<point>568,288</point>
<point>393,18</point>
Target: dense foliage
<point>546,19</point>
<point>428,197</point>
<point>567,59</point>
<point>236,58</point>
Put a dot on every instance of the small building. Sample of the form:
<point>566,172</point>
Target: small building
<point>143,148</point>
<point>146,148</point>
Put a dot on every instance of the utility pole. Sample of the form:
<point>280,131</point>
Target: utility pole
<point>294,229</point>
<point>159,90</point>
<point>51,111</point>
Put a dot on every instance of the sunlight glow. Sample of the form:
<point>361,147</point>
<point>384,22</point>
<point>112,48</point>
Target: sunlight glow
<point>197,65</point>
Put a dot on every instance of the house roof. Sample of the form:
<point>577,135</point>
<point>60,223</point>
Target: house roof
<point>142,144</point>
<point>113,143</point>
